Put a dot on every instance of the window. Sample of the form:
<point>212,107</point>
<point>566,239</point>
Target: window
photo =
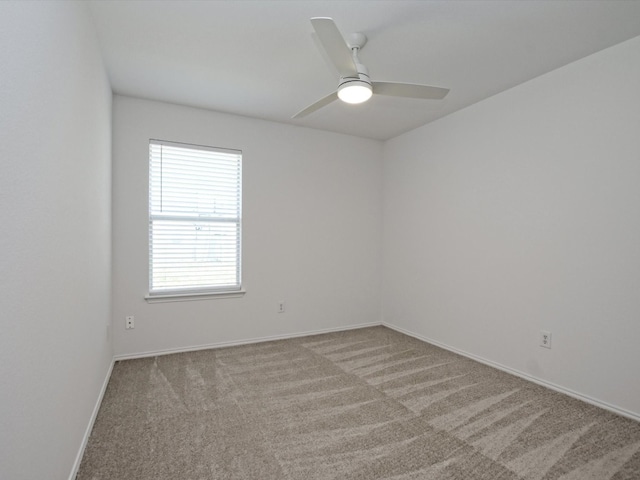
<point>195,205</point>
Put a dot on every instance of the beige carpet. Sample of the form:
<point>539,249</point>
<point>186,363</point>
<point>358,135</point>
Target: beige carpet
<point>364,404</point>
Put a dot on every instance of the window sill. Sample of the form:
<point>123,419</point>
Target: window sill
<point>187,297</point>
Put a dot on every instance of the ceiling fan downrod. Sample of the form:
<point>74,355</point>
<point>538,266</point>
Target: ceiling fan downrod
<point>356,89</point>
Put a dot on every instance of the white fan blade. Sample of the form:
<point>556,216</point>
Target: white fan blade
<point>325,56</point>
<point>317,106</point>
<point>335,46</point>
<point>410,90</point>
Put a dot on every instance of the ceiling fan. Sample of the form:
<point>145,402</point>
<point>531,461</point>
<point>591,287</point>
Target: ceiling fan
<point>354,85</point>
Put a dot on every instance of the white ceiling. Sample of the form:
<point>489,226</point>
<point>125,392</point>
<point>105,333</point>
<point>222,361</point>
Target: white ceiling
<point>258,58</point>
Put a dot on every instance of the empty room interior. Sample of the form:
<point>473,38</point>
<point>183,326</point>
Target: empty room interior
<point>441,281</point>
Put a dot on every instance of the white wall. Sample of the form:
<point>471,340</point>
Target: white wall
<point>522,213</point>
<point>55,134</point>
<point>312,229</point>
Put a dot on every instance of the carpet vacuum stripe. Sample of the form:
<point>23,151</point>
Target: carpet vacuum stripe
<point>365,404</point>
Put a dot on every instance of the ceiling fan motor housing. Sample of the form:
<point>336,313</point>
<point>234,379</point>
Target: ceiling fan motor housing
<point>363,76</point>
<point>356,89</point>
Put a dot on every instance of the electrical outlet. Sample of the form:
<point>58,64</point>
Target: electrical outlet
<point>280,306</point>
<point>545,339</point>
<point>129,322</point>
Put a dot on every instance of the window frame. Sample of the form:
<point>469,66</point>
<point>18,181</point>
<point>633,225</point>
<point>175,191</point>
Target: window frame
<point>194,292</point>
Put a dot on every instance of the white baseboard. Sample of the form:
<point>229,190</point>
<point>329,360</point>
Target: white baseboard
<point>154,353</point>
<point>518,373</point>
<point>92,419</point>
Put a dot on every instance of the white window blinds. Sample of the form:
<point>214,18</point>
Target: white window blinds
<point>195,204</point>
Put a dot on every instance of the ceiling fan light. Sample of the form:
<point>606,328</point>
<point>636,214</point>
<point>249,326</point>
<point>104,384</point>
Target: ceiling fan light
<point>355,91</point>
